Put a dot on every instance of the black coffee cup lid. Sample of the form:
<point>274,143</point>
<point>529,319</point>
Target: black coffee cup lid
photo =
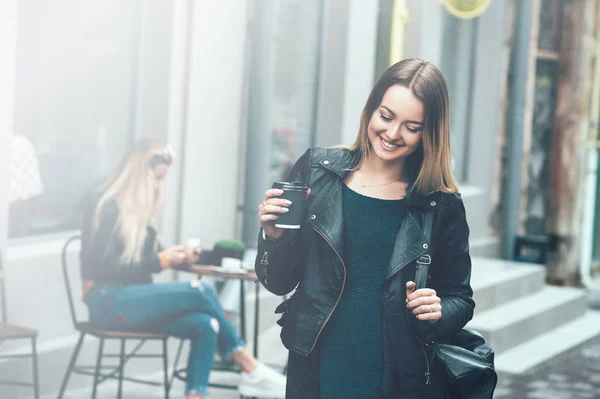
<point>284,185</point>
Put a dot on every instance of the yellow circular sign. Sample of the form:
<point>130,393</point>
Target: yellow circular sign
<point>466,8</point>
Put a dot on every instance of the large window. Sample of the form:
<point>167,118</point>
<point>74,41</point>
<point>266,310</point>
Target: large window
<point>544,110</point>
<point>294,85</point>
<point>78,102</point>
<point>283,94</point>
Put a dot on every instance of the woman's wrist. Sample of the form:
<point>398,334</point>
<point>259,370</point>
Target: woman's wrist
<point>164,260</point>
<point>270,238</point>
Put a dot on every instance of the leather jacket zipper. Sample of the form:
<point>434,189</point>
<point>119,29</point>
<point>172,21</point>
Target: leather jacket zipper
<point>341,291</point>
<point>265,262</point>
<point>428,372</point>
<point>265,259</point>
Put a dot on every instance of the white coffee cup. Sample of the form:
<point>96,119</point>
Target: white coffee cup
<point>231,264</point>
<point>193,242</point>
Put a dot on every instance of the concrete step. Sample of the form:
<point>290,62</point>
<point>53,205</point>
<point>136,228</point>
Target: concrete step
<point>270,349</point>
<point>496,281</point>
<point>524,357</point>
<point>524,318</point>
<point>266,311</point>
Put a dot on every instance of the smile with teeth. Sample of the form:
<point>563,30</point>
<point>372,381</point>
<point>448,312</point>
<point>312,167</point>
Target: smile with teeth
<point>388,144</point>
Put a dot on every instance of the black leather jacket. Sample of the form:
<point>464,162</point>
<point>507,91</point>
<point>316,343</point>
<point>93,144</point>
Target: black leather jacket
<point>311,261</point>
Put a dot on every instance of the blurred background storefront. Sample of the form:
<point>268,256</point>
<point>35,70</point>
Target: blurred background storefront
<point>241,89</point>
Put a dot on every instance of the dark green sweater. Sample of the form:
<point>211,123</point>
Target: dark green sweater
<point>351,344</point>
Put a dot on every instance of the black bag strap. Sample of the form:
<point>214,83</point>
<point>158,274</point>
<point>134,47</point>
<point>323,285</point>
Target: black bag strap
<point>424,260</point>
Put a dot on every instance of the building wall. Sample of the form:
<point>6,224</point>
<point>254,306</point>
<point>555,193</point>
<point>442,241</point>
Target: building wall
<point>35,288</point>
<point>209,81</point>
<point>476,79</point>
<point>486,121</point>
<point>360,65</point>
<point>8,27</point>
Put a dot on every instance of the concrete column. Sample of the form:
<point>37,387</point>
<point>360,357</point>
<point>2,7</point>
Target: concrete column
<point>360,64</point>
<point>177,101</point>
<point>332,73</point>
<point>486,112</point>
<point>211,160</point>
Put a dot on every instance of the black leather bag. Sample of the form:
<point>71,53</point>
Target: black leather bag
<point>466,357</point>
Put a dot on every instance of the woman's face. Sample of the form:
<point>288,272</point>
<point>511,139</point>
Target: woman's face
<point>396,127</point>
<point>160,171</point>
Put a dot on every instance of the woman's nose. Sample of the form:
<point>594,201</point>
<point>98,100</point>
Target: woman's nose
<point>395,132</point>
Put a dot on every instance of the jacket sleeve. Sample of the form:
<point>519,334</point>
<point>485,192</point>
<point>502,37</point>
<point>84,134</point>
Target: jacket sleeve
<point>104,258</point>
<point>278,263</point>
<point>453,279</point>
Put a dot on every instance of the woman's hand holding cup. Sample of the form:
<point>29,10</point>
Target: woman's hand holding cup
<point>192,255</point>
<point>270,209</point>
<point>175,255</point>
<point>193,249</point>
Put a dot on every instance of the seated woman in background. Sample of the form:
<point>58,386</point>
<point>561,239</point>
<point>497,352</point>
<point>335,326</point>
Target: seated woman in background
<point>120,252</point>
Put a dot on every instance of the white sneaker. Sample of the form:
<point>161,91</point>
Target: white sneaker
<point>264,382</point>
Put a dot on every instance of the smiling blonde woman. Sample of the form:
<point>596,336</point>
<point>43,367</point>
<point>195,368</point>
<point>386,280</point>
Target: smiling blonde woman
<point>349,325</point>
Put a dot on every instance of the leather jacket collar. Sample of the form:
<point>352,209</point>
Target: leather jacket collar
<point>342,163</point>
<point>327,217</point>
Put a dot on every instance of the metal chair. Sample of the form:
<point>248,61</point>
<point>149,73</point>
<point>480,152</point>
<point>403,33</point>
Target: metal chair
<point>116,372</point>
<point>9,332</point>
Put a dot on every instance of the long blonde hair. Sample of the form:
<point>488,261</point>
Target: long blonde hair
<point>430,167</point>
<point>133,187</point>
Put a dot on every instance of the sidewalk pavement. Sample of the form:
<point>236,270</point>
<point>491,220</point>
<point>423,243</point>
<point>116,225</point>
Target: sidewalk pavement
<point>573,375</point>
<point>108,389</point>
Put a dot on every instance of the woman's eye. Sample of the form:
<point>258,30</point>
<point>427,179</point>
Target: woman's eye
<point>412,129</point>
<point>385,118</point>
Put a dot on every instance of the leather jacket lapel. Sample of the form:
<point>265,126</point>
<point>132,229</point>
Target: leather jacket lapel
<point>327,215</point>
<point>409,243</point>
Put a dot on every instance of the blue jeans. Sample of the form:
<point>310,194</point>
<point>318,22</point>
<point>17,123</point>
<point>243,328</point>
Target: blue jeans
<point>181,309</point>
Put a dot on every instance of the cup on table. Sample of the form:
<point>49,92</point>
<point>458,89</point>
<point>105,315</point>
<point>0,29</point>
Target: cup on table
<point>231,264</point>
<point>295,192</point>
<point>194,243</point>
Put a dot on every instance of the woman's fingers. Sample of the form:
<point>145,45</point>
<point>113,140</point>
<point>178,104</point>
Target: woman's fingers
<point>269,217</point>
<point>177,248</point>
<point>179,256</point>
<point>274,192</point>
<point>424,309</point>
<point>422,300</point>
<point>191,255</point>
<point>273,202</point>
<point>268,211</point>
<point>430,317</point>
<point>274,209</point>
<point>425,305</point>
<point>271,207</point>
